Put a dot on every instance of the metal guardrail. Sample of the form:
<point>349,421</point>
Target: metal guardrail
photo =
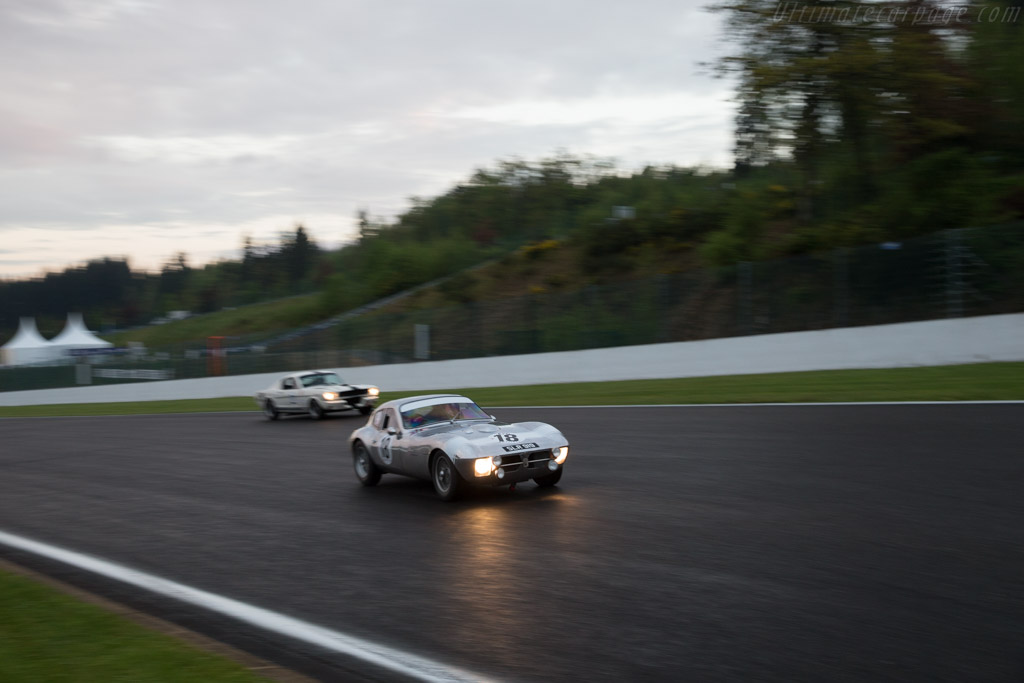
<point>949,274</point>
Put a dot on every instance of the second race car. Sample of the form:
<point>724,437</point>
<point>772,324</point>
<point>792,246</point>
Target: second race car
<point>316,393</point>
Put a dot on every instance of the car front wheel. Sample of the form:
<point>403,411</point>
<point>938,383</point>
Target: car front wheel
<point>549,480</point>
<point>448,483</point>
<point>315,411</point>
<point>270,410</point>
<point>366,471</point>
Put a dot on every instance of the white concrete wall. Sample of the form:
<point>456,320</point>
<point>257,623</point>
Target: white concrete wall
<point>936,342</point>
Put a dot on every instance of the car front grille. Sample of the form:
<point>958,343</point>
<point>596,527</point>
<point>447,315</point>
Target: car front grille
<point>352,393</point>
<point>513,462</point>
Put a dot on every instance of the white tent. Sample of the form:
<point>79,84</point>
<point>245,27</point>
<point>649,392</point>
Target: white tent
<point>27,346</point>
<point>75,335</point>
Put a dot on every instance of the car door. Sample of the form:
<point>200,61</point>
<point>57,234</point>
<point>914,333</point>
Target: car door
<point>372,439</point>
<point>411,452</point>
<point>306,387</point>
<point>288,391</point>
<point>390,440</point>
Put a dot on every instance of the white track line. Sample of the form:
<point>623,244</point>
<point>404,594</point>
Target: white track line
<point>625,405</point>
<point>756,405</point>
<point>413,666</point>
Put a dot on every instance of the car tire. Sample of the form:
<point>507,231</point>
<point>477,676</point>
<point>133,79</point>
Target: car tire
<point>365,410</point>
<point>270,410</point>
<point>367,472</point>
<point>315,411</point>
<point>448,483</point>
<point>549,480</point>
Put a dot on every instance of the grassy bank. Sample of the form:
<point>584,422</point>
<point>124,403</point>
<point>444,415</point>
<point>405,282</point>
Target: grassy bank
<point>46,635</point>
<point>264,319</point>
<point>976,382</point>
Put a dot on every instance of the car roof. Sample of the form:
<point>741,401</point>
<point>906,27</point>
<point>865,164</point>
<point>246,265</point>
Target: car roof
<point>297,376</point>
<point>303,373</point>
<point>400,403</point>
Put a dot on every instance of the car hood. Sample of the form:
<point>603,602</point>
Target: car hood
<point>477,439</point>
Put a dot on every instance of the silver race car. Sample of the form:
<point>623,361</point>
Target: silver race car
<point>315,392</point>
<point>448,440</point>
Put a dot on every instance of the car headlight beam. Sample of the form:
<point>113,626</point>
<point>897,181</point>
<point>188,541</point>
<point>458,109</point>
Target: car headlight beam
<point>329,395</point>
<point>560,454</point>
<point>482,467</point>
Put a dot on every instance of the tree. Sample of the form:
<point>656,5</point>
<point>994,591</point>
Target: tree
<point>367,228</point>
<point>248,258</point>
<point>817,78</point>
<point>173,278</point>
<point>299,254</point>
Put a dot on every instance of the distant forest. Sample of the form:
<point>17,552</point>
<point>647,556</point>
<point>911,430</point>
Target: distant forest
<point>848,133</point>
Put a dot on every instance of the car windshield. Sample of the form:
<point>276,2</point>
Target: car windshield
<point>423,413</point>
<point>319,379</point>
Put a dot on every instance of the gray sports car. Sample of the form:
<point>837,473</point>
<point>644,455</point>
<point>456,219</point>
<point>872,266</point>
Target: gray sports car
<point>448,440</point>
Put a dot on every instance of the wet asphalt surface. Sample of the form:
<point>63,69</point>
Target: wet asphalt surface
<point>701,544</point>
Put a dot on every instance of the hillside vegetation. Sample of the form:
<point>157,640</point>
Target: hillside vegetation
<point>848,133</point>
<point>554,225</point>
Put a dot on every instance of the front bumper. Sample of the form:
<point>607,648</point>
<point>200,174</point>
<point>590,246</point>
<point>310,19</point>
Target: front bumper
<point>348,403</point>
<point>531,466</point>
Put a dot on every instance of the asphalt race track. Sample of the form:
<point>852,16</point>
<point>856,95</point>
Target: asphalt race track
<point>791,543</point>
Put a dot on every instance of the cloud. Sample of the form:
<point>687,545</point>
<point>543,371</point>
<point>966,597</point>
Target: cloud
<point>193,150</point>
<point>239,114</point>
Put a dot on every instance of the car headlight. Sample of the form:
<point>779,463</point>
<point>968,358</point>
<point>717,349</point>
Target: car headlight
<point>560,454</point>
<point>483,466</point>
<point>329,395</point>
<point>373,391</point>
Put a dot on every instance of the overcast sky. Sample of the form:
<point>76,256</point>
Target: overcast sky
<point>141,128</point>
